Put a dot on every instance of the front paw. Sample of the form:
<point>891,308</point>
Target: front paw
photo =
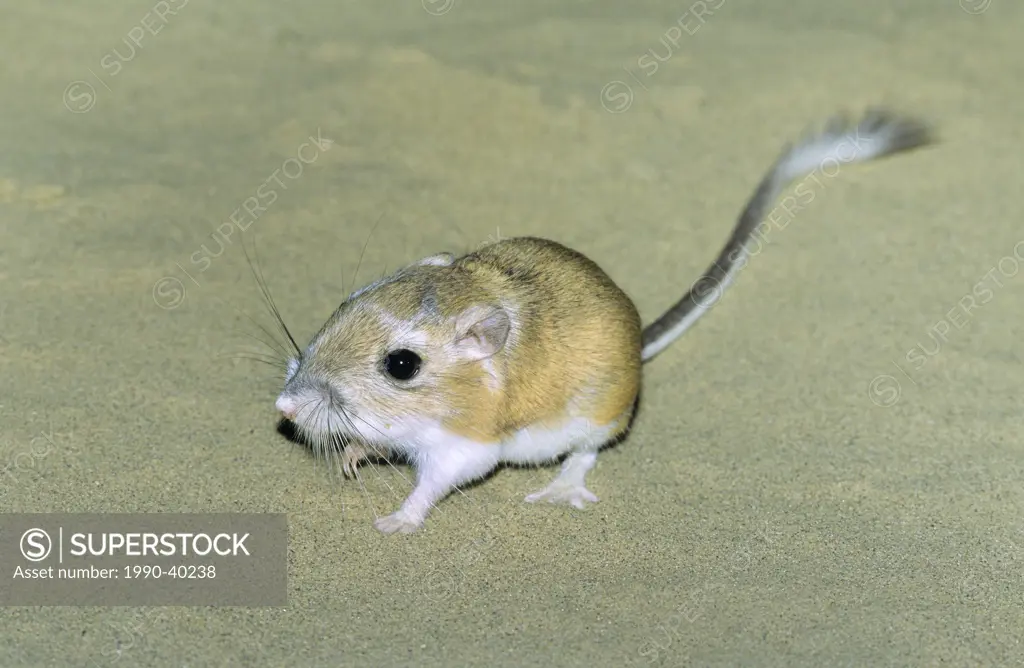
<point>351,457</point>
<point>398,522</point>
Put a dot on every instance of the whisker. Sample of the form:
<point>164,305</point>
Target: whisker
<point>355,276</point>
<point>380,454</point>
<point>273,344</point>
<point>341,442</point>
<point>389,463</point>
<point>330,444</point>
<point>279,354</point>
<point>314,443</point>
<point>321,406</point>
<point>277,347</point>
<point>366,494</point>
<point>253,357</point>
<point>282,356</point>
<point>261,282</point>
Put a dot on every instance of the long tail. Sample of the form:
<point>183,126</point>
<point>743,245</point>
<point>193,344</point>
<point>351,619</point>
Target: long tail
<point>877,134</point>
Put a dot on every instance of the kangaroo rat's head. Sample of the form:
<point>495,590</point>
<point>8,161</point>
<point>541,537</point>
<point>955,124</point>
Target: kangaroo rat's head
<point>400,355</point>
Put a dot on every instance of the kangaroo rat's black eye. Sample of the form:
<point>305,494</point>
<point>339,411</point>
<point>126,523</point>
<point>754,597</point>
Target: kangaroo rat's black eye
<point>402,364</point>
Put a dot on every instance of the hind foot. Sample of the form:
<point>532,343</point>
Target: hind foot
<point>562,493</point>
<point>569,487</point>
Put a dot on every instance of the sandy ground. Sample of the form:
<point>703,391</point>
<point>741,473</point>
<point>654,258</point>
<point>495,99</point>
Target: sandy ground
<point>826,471</point>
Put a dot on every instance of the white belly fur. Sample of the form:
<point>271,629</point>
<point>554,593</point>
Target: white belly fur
<point>540,444</point>
<point>536,444</point>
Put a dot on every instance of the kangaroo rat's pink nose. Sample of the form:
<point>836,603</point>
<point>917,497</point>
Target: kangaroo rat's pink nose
<point>287,406</point>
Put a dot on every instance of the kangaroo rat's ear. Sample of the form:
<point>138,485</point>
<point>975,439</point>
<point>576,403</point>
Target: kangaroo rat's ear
<point>481,331</point>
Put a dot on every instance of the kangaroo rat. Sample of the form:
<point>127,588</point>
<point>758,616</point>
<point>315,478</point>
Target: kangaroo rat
<point>521,352</point>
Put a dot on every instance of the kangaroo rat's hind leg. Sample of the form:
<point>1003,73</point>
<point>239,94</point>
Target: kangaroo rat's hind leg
<point>569,487</point>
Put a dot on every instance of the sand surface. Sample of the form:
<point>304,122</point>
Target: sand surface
<point>817,478</point>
